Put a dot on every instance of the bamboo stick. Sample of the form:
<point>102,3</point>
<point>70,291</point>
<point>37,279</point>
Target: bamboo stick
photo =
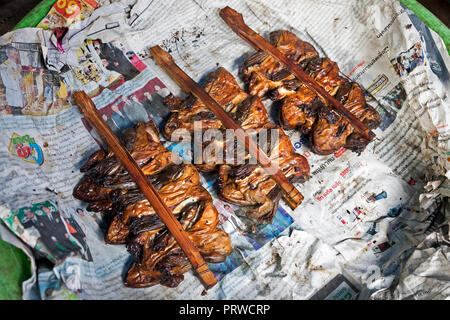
<point>235,21</point>
<point>89,110</point>
<point>166,62</point>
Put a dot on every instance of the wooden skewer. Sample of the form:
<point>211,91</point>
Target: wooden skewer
<point>166,62</point>
<point>89,110</point>
<point>235,21</point>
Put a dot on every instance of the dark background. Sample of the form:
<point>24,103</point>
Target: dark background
<point>12,11</point>
<point>440,8</point>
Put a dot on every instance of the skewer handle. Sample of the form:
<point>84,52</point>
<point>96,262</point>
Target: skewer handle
<point>199,265</point>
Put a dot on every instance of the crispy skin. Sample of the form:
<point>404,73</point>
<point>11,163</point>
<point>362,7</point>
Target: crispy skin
<point>300,107</point>
<point>222,87</point>
<point>164,262</point>
<point>109,189</point>
<point>249,185</point>
<point>240,181</point>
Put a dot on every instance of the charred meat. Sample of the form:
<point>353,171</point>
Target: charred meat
<point>300,107</point>
<point>108,188</point>
<point>240,180</point>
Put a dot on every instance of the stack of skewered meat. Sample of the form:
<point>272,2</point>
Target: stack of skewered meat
<point>109,188</point>
<point>243,183</point>
<point>302,108</point>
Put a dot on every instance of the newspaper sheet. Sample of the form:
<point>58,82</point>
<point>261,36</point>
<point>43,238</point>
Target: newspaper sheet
<point>363,227</point>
